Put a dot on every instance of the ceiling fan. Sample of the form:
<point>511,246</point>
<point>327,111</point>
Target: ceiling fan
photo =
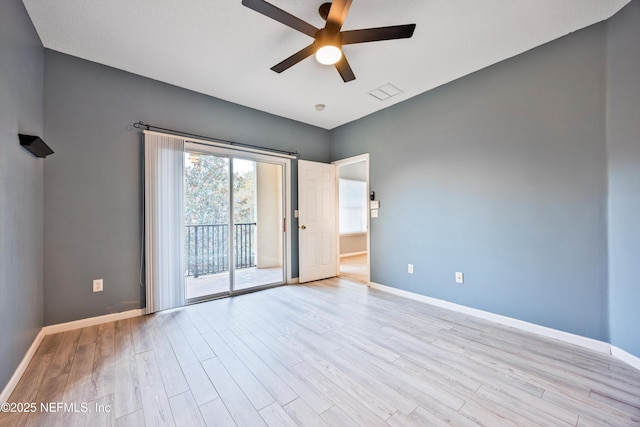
<point>328,41</point>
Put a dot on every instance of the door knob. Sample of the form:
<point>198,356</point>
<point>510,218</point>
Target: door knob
<point>304,227</point>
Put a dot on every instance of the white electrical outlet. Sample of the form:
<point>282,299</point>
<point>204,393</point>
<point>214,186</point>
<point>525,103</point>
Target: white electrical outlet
<point>410,268</point>
<point>459,277</point>
<point>98,285</point>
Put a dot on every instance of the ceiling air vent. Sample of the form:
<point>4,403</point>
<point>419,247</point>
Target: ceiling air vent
<point>385,92</point>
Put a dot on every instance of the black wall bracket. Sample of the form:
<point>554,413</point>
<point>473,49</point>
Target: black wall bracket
<point>35,145</point>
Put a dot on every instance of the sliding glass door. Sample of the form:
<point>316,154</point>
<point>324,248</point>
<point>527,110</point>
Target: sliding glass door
<point>207,190</point>
<point>233,222</point>
<point>258,214</point>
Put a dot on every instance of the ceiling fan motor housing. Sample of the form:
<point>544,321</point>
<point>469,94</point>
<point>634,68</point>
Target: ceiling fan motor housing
<point>327,37</point>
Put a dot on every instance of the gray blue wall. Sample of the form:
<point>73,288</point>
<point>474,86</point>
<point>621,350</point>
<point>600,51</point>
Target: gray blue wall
<point>93,183</point>
<point>501,175</point>
<point>21,186</point>
<point>623,137</point>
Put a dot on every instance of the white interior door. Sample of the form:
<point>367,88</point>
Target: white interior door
<point>317,221</point>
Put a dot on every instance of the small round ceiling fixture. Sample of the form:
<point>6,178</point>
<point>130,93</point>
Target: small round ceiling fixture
<point>320,107</point>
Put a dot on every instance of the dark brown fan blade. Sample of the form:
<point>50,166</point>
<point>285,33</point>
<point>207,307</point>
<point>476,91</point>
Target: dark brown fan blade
<point>295,58</point>
<point>377,34</point>
<point>338,13</point>
<point>344,69</point>
<point>275,13</point>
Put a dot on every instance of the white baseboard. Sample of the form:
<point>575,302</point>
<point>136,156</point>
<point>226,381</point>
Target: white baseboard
<point>91,321</point>
<point>15,378</point>
<point>54,329</point>
<point>627,358</point>
<point>568,337</point>
<point>353,254</point>
<point>293,281</point>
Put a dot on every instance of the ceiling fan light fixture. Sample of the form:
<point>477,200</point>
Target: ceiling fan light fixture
<point>328,54</point>
<point>328,41</point>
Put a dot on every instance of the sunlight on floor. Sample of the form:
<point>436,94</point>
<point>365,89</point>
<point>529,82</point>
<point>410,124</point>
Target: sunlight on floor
<point>219,283</point>
<point>354,268</point>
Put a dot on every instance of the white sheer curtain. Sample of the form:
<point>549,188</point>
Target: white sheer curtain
<point>163,193</point>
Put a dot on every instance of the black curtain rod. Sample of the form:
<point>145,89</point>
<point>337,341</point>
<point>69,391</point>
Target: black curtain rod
<point>140,125</point>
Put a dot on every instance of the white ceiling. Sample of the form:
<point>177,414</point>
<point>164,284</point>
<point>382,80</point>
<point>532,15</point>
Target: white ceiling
<point>223,49</point>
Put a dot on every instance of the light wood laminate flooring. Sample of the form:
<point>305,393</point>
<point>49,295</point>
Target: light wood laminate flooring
<point>329,353</point>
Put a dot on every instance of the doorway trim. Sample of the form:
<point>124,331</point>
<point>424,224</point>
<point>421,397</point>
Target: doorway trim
<point>343,162</point>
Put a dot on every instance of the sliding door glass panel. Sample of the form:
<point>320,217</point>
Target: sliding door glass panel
<point>206,225</point>
<point>258,238</point>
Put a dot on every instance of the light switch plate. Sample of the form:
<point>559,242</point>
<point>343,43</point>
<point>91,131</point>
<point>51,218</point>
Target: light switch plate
<point>374,213</point>
<point>374,204</point>
<point>459,277</point>
<point>98,285</point>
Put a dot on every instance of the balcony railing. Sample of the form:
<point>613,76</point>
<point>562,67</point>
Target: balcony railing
<point>207,248</point>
